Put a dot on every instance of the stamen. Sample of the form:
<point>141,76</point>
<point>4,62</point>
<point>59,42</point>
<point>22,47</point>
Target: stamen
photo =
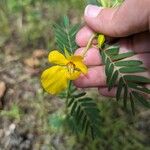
<point>71,67</point>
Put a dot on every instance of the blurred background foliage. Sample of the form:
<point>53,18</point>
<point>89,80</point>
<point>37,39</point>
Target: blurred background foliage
<point>32,119</point>
<point>30,21</point>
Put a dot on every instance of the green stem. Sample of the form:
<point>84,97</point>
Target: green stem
<point>88,44</point>
<point>68,94</point>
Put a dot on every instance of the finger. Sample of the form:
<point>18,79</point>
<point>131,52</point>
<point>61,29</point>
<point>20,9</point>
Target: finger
<point>83,36</point>
<point>93,58</point>
<point>85,33</point>
<point>120,21</point>
<point>142,57</point>
<point>139,43</point>
<point>96,77</point>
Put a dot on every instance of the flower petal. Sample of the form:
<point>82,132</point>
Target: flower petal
<point>74,75</point>
<point>75,58</point>
<point>57,58</point>
<point>78,61</point>
<point>54,79</point>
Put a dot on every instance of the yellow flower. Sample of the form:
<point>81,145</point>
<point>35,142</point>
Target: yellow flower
<point>55,79</point>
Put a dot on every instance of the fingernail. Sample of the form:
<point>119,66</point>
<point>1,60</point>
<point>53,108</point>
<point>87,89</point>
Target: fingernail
<point>92,11</point>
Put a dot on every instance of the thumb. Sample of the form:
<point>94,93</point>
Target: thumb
<point>118,22</point>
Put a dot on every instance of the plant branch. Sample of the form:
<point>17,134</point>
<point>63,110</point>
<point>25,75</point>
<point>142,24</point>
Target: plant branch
<point>68,92</point>
<point>88,44</point>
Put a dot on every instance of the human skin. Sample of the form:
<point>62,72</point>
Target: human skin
<point>130,24</point>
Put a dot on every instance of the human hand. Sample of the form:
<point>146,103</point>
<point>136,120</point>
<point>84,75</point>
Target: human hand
<point>123,22</point>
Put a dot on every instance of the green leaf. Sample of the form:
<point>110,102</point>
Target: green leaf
<point>91,110</point>
<point>85,99</point>
<point>73,30</point>
<point>71,122</point>
<point>132,69</point>
<point>110,71</point>
<point>136,78</point>
<point>132,103</point>
<point>80,117</point>
<point>60,46</point>
<point>125,96</point>
<point>93,114</point>
<point>88,104</point>
<point>138,87</point>
<point>61,41</point>
<point>86,113</point>
<point>59,32</point>
<point>113,50</point>
<point>119,89</point>
<point>122,56</point>
<point>93,2</point>
<point>107,65</point>
<point>141,99</point>
<point>103,56</point>
<point>86,128</point>
<point>92,133</point>
<point>105,3</point>
<point>79,95</point>
<point>84,122</point>
<point>128,63</point>
<point>65,36</point>
<point>71,102</point>
<point>78,112</point>
<point>113,80</point>
<point>116,68</point>
<point>73,89</point>
<point>59,29</point>
<point>66,21</point>
<point>74,106</point>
